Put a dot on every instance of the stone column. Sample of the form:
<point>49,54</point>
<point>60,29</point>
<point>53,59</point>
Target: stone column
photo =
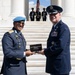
<point>69,8</point>
<point>17,8</point>
<point>26,9</point>
<point>54,2</point>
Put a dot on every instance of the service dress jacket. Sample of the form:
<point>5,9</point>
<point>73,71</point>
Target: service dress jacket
<point>58,50</point>
<point>14,45</point>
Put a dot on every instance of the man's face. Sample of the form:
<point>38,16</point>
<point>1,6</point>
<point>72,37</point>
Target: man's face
<point>19,25</point>
<point>54,18</point>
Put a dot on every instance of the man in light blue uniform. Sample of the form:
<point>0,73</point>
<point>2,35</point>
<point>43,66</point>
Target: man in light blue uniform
<point>58,44</point>
<point>14,49</point>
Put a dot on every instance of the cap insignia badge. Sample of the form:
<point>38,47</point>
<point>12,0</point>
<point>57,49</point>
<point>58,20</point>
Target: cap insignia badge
<point>51,7</point>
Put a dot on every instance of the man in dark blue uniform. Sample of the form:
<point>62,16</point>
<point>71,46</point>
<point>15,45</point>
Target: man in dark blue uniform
<point>44,15</point>
<point>38,15</point>
<point>58,44</point>
<point>32,15</point>
<point>14,49</point>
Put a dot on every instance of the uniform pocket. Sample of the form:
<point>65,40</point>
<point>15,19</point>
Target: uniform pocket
<point>13,62</point>
<point>14,65</point>
<point>57,64</point>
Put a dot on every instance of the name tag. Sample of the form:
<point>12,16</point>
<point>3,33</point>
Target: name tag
<point>54,33</point>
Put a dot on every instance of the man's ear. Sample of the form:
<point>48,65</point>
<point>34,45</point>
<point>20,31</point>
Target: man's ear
<point>14,23</point>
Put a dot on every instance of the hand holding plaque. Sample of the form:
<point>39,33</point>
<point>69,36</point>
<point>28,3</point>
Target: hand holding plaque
<point>36,47</point>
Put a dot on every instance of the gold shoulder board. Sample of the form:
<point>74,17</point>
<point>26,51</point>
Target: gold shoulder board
<point>10,31</point>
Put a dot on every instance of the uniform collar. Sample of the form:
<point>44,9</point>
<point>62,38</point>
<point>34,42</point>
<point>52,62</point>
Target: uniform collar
<point>56,24</point>
<point>16,31</point>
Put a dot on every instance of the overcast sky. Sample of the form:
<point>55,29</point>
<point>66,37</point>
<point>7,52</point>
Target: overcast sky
<point>42,2</point>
